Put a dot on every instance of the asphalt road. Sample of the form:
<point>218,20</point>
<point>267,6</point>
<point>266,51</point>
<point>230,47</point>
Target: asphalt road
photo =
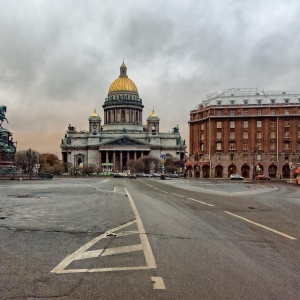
<point>114,238</point>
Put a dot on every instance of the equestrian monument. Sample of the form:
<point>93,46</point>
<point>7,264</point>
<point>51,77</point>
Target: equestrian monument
<point>7,145</point>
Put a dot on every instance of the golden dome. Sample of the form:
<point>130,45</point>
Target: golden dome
<point>94,114</point>
<point>153,114</point>
<point>123,83</point>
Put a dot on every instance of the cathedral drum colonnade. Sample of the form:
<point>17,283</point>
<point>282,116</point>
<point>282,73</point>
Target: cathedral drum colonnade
<point>122,136</point>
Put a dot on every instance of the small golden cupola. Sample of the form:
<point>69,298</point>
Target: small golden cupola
<point>153,123</point>
<point>94,123</point>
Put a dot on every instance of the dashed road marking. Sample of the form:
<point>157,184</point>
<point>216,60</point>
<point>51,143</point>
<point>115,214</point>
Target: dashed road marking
<point>262,226</point>
<point>200,202</point>
<point>177,195</point>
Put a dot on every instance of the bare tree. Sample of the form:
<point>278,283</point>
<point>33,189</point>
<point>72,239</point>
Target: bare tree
<point>26,160</point>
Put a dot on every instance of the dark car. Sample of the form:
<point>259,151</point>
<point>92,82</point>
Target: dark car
<point>236,177</point>
<point>262,177</point>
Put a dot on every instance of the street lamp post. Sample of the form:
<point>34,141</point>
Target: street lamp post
<point>253,171</point>
<point>74,166</point>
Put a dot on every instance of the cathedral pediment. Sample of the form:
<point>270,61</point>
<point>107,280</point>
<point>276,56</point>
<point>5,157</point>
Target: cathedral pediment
<point>124,141</point>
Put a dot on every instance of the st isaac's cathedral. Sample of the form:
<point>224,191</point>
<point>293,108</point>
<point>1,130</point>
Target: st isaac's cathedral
<point>122,136</point>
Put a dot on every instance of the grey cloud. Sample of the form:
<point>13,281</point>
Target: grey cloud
<point>58,58</point>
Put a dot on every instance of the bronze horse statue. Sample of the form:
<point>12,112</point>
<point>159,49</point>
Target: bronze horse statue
<point>2,114</point>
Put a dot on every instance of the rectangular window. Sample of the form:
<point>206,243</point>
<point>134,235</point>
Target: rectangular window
<point>272,157</point>
<point>273,146</point>
<point>202,126</point>
<point>232,124</point>
<point>245,135</point>
<point>287,111</point>
<point>245,101</point>
<point>219,146</point>
<point>245,112</point>
<point>273,112</point>
<point>219,135</point>
<point>202,136</point>
<point>219,113</point>
<point>273,123</point>
<point>232,135</point>
<point>286,133</point>
<point>273,135</point>
<point>245,124</point>
<point>258,124</point>
<point>232,113</point>
<point>259,112</point>
<point>245,146</point>
<point>259,135</point>
<point>286,123</point>
<point>258,145</point>
<point>232,146</point>
<point>219,124</point>
<point>286,101</point>
<point>286,146</point>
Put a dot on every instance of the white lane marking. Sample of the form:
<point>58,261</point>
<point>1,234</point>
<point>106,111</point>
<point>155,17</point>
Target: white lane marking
<point>164,191</point>
<point>104,190</point>
<point>60,268</point>
<point>123,249</point>
<point>158,283</point>
<point>177,195</point>
<point>105,180</point>
<point>200,202</point>
<point>150,260</point>
<point>101,270</point>
<point>109,251</point>
<point>262,226</point>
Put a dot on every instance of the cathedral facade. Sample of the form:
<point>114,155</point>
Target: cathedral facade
<point>122,136</point>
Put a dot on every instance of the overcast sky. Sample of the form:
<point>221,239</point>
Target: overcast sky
<point>59,57</point>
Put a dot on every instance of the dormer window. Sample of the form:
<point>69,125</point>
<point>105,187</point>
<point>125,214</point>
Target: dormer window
<point>272,101</point>
<point>246,101</point>
<point>286,100</point>
<point>219,102</point>
<point>259,101</point>
<point>232,102</point>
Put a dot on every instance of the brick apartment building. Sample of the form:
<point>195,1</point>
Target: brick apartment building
<point>245,131</point>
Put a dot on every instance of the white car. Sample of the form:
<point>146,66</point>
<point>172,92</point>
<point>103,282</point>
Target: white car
<point>236,177</point>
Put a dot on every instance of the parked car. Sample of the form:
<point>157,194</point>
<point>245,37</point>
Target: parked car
<point>236,177</point>
<point>175,175</point>
<point>118,175</point>
<point>262,177</point>
<point>132,175</point>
